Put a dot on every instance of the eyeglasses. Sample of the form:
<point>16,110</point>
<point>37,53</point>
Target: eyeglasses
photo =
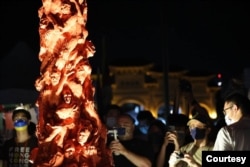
<point>224,111</point>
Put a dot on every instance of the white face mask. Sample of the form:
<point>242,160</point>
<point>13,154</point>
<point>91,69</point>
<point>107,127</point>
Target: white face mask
<point>228,121</point>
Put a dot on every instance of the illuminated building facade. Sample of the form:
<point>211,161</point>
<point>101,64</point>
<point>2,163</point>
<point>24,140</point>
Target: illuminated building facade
<point>144,86</point>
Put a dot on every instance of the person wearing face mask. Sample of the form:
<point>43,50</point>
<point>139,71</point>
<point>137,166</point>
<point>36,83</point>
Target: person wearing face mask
<point>190,155</point>
<point>236,135</point>
<point>127,150</point>
<point>145,118</point>
<point>156,132</point>
<point>111,113</point>
<point>177,128</point>
<point>17,150</point>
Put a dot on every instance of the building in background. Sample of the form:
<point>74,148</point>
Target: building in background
<point>141,87</point>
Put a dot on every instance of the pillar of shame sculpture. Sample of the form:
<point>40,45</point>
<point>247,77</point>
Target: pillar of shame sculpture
<point>69,130</point>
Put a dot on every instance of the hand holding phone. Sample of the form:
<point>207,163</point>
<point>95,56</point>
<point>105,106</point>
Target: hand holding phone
<point>180,155</point>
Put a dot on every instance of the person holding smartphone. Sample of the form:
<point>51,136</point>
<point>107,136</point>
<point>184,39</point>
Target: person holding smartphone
<point>190,155</point>
<point>128,150</point>
<point>177,125</point>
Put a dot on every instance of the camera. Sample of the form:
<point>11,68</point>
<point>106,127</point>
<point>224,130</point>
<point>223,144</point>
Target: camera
<point>171,128</point>
<point>180,155</point>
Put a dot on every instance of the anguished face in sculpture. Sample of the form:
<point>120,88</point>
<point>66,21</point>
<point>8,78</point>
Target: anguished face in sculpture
<point>83,136</point>
<point>69,152</point>
<point>67,96</point>
<point>84,132</point>
<point>55,78</point>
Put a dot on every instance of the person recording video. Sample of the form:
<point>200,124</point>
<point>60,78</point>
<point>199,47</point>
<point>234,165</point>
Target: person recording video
<point>190,155</point>
<point>127,150</point>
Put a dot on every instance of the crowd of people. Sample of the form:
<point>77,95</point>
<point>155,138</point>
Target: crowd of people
<point>180,142</point>
<point>152,143</point>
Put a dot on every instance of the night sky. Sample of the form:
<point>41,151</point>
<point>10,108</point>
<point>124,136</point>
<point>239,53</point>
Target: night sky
<point>197,35</point>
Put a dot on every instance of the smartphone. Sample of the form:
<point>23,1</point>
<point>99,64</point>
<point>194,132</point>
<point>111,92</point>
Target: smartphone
<point>180,155</point>
<point>171,128</point>
<point>120,131</point>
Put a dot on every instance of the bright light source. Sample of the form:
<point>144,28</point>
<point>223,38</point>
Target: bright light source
<point>219,83</point>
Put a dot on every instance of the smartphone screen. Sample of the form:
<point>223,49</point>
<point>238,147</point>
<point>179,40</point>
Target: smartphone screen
<point>120,131</point>
<point>171,128</point>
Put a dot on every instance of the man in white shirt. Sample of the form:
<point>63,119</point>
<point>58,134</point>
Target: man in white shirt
<point>236,135</point>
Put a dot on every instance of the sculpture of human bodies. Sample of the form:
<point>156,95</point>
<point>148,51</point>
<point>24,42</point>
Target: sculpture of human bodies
<point>66,97</point>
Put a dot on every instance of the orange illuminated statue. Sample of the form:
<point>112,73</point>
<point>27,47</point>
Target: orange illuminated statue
<point>69,129</point>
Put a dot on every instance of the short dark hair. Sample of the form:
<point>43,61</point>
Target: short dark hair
<point>240,101</point>
<point>16,111</point>
<point>145,115</point>
<point>177,120</point>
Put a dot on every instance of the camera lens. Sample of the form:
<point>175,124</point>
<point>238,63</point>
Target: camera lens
<point>180,155</point>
